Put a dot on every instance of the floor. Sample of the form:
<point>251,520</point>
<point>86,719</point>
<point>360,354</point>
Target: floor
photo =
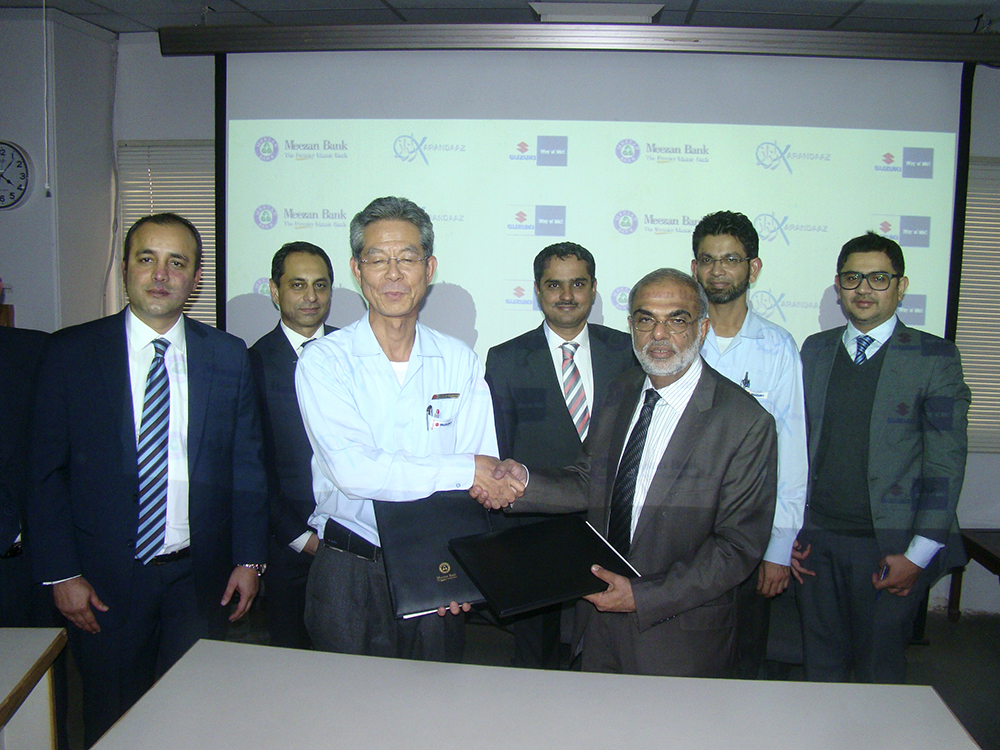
<point>960,660</point>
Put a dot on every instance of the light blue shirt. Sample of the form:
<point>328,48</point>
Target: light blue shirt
<point>764,360</point>
<point>373,438</point>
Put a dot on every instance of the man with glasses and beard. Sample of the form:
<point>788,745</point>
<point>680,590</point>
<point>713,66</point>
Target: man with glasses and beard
<point>762,358</point>
<point>679,473</point>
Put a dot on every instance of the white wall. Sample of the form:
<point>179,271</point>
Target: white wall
<point>53,248</point>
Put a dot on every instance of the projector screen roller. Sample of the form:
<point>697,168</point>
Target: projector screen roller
<point>620,152</point>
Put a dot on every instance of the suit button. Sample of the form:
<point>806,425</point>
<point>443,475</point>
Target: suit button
<point>130,543</point>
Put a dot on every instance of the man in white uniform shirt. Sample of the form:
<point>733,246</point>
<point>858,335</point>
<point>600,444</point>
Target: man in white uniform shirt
<point>761,357</point>
<point>366,394</point>
<point>678,473</point>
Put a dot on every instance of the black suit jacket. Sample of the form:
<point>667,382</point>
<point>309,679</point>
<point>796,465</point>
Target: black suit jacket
<point>84,512</point>
<point>287,452</point>
<point>917,439</point>
<point>21,352</point>
<point>533,423</point>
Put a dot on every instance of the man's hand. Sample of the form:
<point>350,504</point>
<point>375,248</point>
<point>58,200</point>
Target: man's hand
<point>74,598</point>
<point>617,597</point>
<point>772,578</point>
<point>798,555</point>
<point>312,544</point>
<point>454,608</point>
<point>245,581</point>
<point>901,576</point>
<point>496,484</point>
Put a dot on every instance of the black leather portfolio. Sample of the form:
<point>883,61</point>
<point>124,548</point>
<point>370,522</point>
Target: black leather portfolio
<point>423,574</point>
<point>533,566</point>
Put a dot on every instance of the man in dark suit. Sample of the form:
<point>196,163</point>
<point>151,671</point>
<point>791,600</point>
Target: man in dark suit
<point>679,472</point>
<point>535,380</point>
<point>149,511</point>
<point>886,409</point>
<point>301,277</point>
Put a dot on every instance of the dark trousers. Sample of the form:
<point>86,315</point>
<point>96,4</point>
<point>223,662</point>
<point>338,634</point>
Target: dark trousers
<point>285,596</point>
<point>348,611</point>
<point>752,622</point>
<point>850,631</point>
<point>119,664</point>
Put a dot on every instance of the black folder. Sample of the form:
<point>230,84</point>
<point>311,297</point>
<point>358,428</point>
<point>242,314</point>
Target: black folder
<point>423,574</point>
<point>533,566</point>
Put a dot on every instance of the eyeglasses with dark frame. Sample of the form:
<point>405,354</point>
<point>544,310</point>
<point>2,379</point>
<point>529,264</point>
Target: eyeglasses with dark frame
<point>646,323</point>
<point>727,261</point>
<point>405,262</point>
<point>879,281</point>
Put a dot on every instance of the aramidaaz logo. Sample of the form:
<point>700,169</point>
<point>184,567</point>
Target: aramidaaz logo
<point>769,227</point>
<point>266,148</point>
<point>407,148</point>
<point>626,222</point>
<point>770,156</point>
<point>266,217</point>
<point>627,151</point>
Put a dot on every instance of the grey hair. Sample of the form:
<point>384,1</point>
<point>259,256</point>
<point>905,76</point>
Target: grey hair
<point>671,274</point>
<point>391,208</point>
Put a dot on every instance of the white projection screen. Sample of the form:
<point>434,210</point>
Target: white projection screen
<point>622,152</point>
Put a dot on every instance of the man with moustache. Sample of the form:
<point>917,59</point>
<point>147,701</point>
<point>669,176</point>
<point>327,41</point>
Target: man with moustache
<point>301,280</point>
<point>679,474</point>
<point>365,393</point>
<point>888,413</point>
<point>762,358</point>
<point>547,387</point>
<point>150,504</point>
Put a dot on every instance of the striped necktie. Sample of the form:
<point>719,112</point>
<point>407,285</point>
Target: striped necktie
<point>152,457</point>
<point>623,491</point>
<point>576,399</point>
<point>863,343</point>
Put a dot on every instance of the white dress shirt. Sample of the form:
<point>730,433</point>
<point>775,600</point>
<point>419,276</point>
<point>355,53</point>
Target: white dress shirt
<point>921,550</point>
<point>139,339</point>
<point>375,438</point>
<point>666,414</point>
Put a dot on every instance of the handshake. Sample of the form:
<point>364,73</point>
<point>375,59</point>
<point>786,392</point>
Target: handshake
<point>498,483</point>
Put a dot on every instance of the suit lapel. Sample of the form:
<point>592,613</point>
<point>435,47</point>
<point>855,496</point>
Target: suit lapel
<point>600,364</point>
<point>817,386</point>
<point>112,359</point>
<point>682,442</point>
<point>893,373</point>
<point>200,355</point>
<point>620,417</point>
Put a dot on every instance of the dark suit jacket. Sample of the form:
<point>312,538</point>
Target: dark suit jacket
<point>21,352</point>
<point>287,452</point>
<point>85,511</point>
<point>917,436</point>
<point>705,523</point>
<point>533,423</point>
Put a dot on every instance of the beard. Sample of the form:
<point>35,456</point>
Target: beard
<point>725,296</point>
<point>677,364</point>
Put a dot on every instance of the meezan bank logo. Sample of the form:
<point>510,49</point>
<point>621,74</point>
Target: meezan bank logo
<point>266,148</point>
<point>265,216</point>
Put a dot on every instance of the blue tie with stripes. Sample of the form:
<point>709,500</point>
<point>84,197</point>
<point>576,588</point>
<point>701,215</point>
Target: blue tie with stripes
<point>152,457</point>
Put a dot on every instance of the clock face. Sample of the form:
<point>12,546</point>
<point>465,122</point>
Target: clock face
<point>15,173</point>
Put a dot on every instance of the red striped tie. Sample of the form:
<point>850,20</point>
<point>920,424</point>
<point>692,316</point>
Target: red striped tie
<point>576,399</point>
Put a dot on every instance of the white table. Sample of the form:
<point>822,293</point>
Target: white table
<point>27,713</point>
<point>228,695</point>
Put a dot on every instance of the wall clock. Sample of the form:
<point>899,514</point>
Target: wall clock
<point>15,175</point>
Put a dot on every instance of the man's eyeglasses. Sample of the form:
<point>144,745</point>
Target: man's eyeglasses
<point>404,262</point>
<point>727,261</point>
<point>646,323</point>
<point>878,280</point>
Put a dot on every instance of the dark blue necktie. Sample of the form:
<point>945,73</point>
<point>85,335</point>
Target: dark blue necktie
<point>863,343</point>
<point>152,457</point>
<point>623,492</point>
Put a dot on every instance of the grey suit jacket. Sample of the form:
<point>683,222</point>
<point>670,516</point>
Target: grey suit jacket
<point>705,522</point>
<point>917,436</point>
<point>533,423</point>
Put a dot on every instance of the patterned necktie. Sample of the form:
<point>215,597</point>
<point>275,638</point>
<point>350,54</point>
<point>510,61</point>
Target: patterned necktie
<point>623,492</point>
<point>576,399</point>
<point>863,343</point>
<point>152,457</point>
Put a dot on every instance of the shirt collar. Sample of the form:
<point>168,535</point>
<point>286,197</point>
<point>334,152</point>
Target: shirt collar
<point>880,333</point>
<point>678,393</point>
<point>364,342</point>
<point>141,335</point>
<point>554,340</point>
<point>296,339</point>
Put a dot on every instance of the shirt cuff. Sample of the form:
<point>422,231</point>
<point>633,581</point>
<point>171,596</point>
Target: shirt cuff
<point>779,549</point>
<point>922,550</point>
<point>299,543</point>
